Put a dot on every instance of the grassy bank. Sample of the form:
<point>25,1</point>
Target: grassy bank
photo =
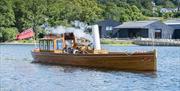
<point>20,42</point>
<point>117,42</point>
<point>103,41</point>
<point>26,41</point>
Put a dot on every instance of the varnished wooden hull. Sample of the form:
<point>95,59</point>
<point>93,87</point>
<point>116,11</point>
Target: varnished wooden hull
<point>117,61</point>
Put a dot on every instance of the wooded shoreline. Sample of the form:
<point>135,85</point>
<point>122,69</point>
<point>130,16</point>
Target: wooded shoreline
<point>119,42</point>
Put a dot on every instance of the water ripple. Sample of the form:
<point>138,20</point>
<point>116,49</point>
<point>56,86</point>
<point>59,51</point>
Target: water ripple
<point>17,73</point>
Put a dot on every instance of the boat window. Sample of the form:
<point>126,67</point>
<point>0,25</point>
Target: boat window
<point>41,45</point>
<point>59,44</point>
<point>69,43</point>
<point>45,45</point>
<point>51,45</point>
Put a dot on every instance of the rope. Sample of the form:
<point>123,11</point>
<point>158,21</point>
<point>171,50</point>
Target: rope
<point>128,53</point>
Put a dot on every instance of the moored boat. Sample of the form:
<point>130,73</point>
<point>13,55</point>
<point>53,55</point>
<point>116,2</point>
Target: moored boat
<point>66,49</point>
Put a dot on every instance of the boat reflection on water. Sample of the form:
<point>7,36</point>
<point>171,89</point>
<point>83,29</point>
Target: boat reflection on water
<point>73,69</point>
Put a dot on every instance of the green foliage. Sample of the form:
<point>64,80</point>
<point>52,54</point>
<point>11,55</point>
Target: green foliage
<point>168,15</point>
<point>26,41</point>
<point>29,13</point>
<point>64,11</point>
<point>146,4</point>
<point>6,13</point>
<point>83,10</point>
<point>169,4</point>
<point>177,14</point>
<point>115,42</point>
<point>41,32</point>
<point>24,14</point>
<point>8,34</point>
<point>122,12</point>
<point>54,12</point>
<point>166,3</point>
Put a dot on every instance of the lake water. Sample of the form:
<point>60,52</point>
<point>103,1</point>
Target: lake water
<point>17,73</point>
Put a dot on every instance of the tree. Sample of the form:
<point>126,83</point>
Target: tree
<point>21,13</point>
<point>8,34</point>
<point>54,12</point>
<point>166,3</point>
<point>83,10</point>
<point>168,15</point>
<point>29,13</point>
<point>6,13</point>
<point>177,14</point>
<point>136,14</point>
<point>122,12</point>
<point>137,3</point>
<point>169,4</point>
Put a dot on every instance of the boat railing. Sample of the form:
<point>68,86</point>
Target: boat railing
<point>54,51</point>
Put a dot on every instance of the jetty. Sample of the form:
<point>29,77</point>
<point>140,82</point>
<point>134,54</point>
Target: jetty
<point>157,42</point>
<point>145,41</point>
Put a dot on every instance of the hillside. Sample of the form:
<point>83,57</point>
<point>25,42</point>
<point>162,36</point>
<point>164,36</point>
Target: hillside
<point>22,14</point>
<point>146,6</point>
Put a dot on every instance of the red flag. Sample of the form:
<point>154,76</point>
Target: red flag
<point>25,34</point>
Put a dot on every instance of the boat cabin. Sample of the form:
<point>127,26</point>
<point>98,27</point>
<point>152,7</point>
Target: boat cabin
<point>50,44</point>
<point>67,43</point>
<point>64,43</point>
<point>53,43</point>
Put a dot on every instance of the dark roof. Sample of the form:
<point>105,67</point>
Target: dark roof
<point>108,22</point>
<point>173,22</point>
<point>136,24</point>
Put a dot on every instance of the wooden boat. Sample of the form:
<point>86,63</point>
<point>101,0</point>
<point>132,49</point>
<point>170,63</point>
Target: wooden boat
<point>118,61</point>
<point>54,50</point>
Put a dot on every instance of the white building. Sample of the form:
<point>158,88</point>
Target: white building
<point>167,10</point>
